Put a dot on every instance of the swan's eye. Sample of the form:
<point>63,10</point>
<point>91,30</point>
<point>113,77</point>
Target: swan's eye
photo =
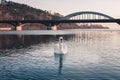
<point>61,39</point>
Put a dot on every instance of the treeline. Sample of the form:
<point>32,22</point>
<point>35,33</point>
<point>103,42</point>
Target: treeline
<point>12,10</point>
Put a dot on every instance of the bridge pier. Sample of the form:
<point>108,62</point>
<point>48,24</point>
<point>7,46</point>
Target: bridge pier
<point>15,25</point>
<point>49,27</point>
<point>54,27</point>
<point>15,28</point>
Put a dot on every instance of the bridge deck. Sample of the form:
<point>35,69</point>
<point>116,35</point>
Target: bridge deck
<point>62,21</point>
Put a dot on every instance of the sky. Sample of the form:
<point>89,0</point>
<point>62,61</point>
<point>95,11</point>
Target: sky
<point>65,7</point>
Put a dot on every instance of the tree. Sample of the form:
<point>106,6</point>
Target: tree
<point>3,1</point>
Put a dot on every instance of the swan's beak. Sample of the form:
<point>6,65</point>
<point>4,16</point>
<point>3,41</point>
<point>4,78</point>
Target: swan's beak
<point>61,40</point>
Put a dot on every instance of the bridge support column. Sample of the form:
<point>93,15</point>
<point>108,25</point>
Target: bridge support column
<point>54,27</point>
<point>15,25</point>
<point>49,27</point>
<point>15,28</point>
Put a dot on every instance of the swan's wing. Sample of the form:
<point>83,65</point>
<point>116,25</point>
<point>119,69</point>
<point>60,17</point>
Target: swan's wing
<point>56,48</point>
<point>64,49</point>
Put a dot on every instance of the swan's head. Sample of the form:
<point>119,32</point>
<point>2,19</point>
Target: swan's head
<point>60,39</point>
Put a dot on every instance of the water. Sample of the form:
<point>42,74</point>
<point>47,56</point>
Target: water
<point>93,55</point>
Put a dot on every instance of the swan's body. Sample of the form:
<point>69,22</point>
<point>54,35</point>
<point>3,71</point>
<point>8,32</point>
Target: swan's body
<point>60,47</point>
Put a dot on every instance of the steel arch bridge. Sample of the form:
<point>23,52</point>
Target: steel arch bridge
<point>78,17</point>
<point>86,15</point>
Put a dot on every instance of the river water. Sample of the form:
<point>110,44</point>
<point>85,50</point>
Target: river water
<point>92,55</point>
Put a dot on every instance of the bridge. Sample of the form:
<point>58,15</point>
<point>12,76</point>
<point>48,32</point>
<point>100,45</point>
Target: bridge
<point>78,17</point>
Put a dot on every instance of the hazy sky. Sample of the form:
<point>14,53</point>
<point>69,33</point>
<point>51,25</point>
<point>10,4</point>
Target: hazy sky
<point>109,7</point>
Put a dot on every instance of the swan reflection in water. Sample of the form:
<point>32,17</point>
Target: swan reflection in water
<point>59,58</point>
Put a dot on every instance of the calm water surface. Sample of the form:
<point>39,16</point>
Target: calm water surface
<point>92,55</point>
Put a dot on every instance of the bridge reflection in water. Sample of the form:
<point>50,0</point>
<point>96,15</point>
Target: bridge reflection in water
<point>21,41</point>
<point>16,39</point>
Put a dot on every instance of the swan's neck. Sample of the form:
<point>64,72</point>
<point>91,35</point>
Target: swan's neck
<point>60,44</point>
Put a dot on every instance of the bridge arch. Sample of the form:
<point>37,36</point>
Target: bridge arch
<point>87,15</point>
<point>31,26</point>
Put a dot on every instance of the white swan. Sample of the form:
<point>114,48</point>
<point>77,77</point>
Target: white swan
<point>60,47</point>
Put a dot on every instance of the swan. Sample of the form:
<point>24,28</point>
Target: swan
<point>60,47</point>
